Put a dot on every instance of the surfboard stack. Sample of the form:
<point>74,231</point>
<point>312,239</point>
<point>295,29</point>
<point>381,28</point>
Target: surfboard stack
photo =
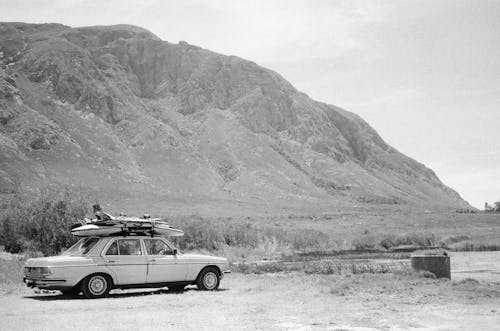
<point>107,225</point>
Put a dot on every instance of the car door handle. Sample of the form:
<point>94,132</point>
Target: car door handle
<point>152,260</point>
<point>111,261</point>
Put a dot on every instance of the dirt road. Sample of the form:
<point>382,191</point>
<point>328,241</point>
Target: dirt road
<point>272,301</point>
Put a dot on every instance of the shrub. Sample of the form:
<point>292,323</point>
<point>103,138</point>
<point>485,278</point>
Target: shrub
<point>322,267</point>
<point>41,224</point>
<point>365,242</point>
<point>414,239</point>
<point>217,234</point>
<point>370,268</point>
<point>469,246</point>
<point>430,252</point>
<point>454,239</point>
<point>325,268</point>
<point>261,268</point>
<point>213,235</point>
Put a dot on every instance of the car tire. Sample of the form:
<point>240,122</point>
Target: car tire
<point>208,279</point>
<point>96,286</point>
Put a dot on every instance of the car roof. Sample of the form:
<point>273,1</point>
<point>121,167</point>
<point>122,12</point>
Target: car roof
<point>127,237</point>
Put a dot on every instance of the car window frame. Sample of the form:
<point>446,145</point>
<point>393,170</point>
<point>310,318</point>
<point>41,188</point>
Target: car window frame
<point>108,245</point>
<point>90,252</point>
<point>164,241</point>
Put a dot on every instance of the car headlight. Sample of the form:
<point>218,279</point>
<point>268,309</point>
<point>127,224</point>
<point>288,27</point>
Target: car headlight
<point>45,271</point>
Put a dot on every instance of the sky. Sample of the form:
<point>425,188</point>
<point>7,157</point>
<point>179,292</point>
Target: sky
<point>424,73</point>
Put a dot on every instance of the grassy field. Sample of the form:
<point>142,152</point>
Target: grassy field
<point>41,226</point>
<point>346,227</point>
<point>271,237</point>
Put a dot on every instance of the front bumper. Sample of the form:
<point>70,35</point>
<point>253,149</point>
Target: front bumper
<point>49,284</point>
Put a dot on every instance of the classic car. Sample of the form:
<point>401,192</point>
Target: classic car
<point>96,265</point>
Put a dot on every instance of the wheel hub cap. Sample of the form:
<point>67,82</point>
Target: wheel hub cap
<point>97,285</point>
<point>210,280</point>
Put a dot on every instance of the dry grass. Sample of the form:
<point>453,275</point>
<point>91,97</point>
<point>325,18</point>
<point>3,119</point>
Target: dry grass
<point>241,239</point>
<point>469,246</point>
<point>11,272</point>
<point>329,267</point>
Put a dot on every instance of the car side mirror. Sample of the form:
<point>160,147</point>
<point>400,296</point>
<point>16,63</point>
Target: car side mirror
<point>175,251</point>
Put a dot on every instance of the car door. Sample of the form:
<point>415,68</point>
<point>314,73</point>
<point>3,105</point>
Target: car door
<point>125,257</point>
<point>163,264</point>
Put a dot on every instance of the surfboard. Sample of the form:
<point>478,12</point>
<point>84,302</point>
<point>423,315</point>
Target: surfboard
<point>166,230</point>
<point>105,219</point>
<point>88,230</point>
<point>106,225</point>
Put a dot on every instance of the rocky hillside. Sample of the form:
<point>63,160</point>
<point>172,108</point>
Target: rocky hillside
<point>145,123</point>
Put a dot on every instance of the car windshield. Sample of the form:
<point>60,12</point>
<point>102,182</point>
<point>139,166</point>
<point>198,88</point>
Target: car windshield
<point>82,247</point>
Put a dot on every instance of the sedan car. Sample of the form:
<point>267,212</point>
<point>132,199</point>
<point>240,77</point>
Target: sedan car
<point>95,265</point>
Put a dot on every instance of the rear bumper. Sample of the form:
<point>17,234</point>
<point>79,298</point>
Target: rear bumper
<point>48,284</point>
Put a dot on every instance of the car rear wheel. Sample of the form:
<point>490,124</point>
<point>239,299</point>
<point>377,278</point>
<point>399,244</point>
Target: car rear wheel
<point>96,286</point>
<point>208,280</point>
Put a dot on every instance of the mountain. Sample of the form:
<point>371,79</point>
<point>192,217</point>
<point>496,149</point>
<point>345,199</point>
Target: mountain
<point>144,123</point>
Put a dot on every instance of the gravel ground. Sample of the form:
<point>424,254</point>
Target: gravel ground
<point>292,301</point>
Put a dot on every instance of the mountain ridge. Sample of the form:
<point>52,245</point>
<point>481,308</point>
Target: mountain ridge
<point>118,111</point>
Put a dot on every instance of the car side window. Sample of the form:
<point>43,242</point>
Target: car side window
<point>129,247</point>
<point>157,247</point>
<point>113,249</point>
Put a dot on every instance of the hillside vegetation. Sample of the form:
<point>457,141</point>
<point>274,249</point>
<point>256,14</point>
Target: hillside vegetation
<point>40,225</point>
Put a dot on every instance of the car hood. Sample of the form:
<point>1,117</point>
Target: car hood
<point>56,261</point>
<point>203,258</point>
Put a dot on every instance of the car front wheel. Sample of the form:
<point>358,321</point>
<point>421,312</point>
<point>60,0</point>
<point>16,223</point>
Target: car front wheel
<point>96,286</point>
<point>208,280</point>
